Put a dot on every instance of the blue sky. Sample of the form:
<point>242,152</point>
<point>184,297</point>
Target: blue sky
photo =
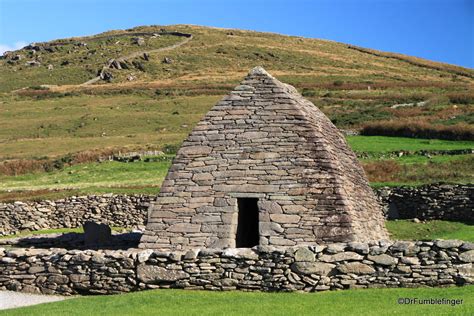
<point>440,30</point>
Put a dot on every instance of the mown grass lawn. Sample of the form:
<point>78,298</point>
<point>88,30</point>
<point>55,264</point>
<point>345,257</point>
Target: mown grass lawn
<point>408,230</point>
<point>185,302</point>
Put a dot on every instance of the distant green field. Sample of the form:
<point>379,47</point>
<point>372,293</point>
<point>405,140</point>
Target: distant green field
<point>104,175</point>
<point>419,159</point>
<point>187,302</point>
<point>381,144</point>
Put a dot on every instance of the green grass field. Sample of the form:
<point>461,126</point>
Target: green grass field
<point>382,144</point>
<point>92,175</point>
<point>436,229</point>
<point>55,127</point>
<point>184,302</point>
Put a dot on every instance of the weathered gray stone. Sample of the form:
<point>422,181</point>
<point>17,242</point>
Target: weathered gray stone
<point>335,248</point>
<point>304,255</point>
<point>318,268</point>
<point>407,247</point>
<point>244,253</point>
<point>383,259</point>
<point>467,246</point>
<point>154,274</point>
<point>355,268</point>
<point>281,241</point>
<point>96,235</point>
<point>195,150</point>
<point>36,269</point>
<point>361,248</point>
<point>410,260</point>
<point>448,243</point>
<point>270,207</point>
<point>185,227</point>
<point>342,256</point>
<point>467,256</point>
<point>58,279</point>
<point>143,256</point>
<point>285,218</point>
<point>270,228</point>
<point>78,278</point>
<point>403,269</point>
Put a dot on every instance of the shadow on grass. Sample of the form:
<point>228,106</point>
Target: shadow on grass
<point>73,241</point>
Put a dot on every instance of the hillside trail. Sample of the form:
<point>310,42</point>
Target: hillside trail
<point>137,54</point>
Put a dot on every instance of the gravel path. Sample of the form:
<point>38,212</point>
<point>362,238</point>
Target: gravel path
<point>10,299</point>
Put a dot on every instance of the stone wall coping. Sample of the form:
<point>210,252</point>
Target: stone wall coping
<point>393,247</point>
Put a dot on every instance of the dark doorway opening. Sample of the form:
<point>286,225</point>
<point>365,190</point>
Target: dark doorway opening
<point>247,225</point>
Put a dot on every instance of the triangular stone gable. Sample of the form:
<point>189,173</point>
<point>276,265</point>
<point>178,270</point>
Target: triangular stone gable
<point>264,140</point>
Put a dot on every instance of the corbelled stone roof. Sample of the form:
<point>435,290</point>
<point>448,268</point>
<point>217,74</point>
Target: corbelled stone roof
<point>264,140</point>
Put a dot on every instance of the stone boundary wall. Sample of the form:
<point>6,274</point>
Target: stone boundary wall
<point>115,210</point>
<point>313,268</point>
<point>436,201</point>
<point>449,202</point>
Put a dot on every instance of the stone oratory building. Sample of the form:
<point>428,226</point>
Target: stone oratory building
<point>263,167</point>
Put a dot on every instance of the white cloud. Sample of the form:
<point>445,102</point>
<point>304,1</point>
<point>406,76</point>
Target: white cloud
<point>15,46</point>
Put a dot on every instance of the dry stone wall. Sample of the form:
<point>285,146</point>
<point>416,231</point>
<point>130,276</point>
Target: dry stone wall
<point>115,210</point>
<point>264,268</point>
<point>429,202</point>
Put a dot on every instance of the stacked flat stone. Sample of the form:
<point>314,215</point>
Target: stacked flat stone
<point>115,210</point>
<point>264,140</point>
<point>263,268</point>
<point>453,202</point>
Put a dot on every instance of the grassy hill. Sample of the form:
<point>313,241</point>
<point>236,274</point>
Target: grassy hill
<point>171,76</point>
<point>222,55</point>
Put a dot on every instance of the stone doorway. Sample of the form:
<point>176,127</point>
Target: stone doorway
<point>247,225</point>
